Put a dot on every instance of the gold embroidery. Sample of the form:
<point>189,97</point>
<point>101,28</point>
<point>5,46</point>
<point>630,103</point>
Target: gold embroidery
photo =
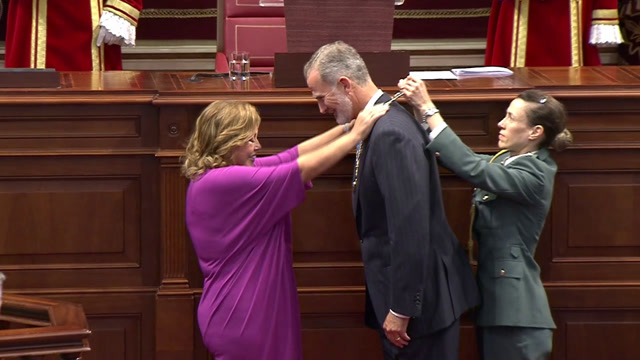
<point>97,53</point>
<point>520,32</point>
<point>604,22</point>
<point>580,32</point>
<point>178,13</point>
<point>125,8</point>
<point>398,14</point>
<point>41,57</point>
<point>514,33</point>
<point>442,13</point>
<point>605,14</point>
<point>39,34</point>
<point>576,32</point>
<point>34,33</point>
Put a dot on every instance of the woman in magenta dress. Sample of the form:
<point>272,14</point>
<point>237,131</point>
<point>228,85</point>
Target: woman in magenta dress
<point>238,216</point>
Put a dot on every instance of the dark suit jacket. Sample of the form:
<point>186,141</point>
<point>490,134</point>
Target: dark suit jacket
<point>413,263</point>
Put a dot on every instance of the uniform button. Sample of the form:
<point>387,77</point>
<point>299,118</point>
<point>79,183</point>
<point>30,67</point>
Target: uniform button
<point>485,198</point>
<point>437,154</point>
<point>502,272</point>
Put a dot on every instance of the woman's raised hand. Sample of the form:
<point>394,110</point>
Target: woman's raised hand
<point>367,118</point>
<point>415,91</point>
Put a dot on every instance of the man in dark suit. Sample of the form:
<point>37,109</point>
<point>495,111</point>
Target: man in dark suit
<point>418,278</point>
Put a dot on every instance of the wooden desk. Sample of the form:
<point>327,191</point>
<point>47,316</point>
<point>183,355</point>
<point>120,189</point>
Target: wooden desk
<point>93,207</point>
<point>35,328</point>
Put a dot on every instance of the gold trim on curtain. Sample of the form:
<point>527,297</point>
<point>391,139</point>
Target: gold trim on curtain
<point>38,34</point>
<point>576,32</point>
<point>520,32</point>
<point>97,53</point>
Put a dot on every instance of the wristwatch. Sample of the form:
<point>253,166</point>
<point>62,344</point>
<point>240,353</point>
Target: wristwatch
<point>430,112</point>
<point>427,114</point>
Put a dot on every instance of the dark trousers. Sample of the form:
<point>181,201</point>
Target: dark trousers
<point>441,345</point>
<point>514,343</point>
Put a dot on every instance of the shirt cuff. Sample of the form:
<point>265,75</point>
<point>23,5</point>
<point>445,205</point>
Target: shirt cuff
<point>437,130</point>
<point>399,315</point>
<point>119,27</point>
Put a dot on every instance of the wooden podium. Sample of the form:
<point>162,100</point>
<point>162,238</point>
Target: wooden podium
<point>367,25</point>
<point>34,328</point>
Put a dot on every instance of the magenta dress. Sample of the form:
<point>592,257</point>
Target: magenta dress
<point>240,224</point>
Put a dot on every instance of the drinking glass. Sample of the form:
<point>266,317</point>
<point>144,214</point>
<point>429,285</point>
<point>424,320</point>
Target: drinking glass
<point>239,65</point>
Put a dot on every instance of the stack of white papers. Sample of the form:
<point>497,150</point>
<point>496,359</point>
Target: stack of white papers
<point>454,74</point>
<point>483,71</point>
<point>433,75</point>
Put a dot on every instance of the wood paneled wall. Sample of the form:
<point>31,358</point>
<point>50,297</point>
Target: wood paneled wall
<point>93,212</point>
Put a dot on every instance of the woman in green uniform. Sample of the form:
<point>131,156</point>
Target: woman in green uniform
<point>513,194</point>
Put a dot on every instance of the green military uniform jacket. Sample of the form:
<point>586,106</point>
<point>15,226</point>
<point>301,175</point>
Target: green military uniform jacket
<point>512,202</point>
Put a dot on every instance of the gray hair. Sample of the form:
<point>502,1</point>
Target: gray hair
<point>335,60</point>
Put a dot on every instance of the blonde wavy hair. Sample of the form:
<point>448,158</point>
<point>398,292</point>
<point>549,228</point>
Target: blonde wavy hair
<point>220,128</point>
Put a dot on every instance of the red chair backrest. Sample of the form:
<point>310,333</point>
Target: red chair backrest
<point>244,25</point>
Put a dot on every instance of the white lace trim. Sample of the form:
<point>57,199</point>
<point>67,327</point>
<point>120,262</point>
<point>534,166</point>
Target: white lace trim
<point>120,27</point>
<point>605,35</point>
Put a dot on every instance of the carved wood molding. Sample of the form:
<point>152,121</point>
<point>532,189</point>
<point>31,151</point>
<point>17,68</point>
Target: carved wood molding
<point>174,234</point>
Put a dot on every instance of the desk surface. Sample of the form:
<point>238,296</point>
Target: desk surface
<point>168,87</point>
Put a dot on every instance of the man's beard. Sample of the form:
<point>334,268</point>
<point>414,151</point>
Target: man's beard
<point>344,110</point>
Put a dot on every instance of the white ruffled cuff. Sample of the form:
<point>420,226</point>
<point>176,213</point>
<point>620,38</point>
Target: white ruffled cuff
<point>605,35</point>
<point>120,27</point>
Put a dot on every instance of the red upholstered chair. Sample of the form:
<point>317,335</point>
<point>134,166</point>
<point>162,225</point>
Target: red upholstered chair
<point>244,25</point>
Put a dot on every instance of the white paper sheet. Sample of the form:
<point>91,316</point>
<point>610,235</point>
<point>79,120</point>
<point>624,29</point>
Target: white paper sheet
<point>483,71</point>
<point>433,75</point>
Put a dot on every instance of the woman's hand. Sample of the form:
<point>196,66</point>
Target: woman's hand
<point>364,122</point>
<point>350,124</point>
<point>415,91</point>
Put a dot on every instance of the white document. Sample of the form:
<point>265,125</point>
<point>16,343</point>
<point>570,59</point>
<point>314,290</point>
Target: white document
<point>483,71</point>
<point>433,75</point>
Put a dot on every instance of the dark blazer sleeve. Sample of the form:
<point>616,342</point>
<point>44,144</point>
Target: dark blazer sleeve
<point>522,181</point>
<point>400,169</point>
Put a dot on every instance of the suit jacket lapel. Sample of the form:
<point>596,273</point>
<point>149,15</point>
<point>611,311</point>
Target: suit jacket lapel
<point>355,199</point>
